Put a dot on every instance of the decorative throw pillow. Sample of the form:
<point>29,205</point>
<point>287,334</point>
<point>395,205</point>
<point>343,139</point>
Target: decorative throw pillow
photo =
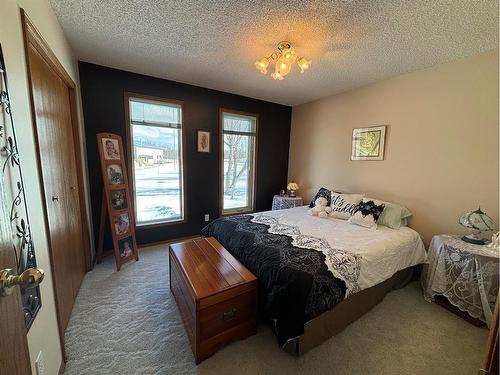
<point>393,214</point>
<point>367,213</point>
<point>344,205</point>
<point>322,193</point>
<point>405,214</point>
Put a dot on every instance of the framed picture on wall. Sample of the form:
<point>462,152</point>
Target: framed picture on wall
<point>203,140</point>
<point>368,143</point>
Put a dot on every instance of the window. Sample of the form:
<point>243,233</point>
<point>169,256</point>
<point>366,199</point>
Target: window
<point>238,142</point>
<point>157,168</point>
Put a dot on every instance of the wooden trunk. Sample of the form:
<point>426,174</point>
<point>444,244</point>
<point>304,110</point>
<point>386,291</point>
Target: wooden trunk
<point>216,295</point>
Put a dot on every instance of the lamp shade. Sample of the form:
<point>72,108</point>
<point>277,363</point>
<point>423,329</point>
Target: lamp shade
<point>292,186</point>
<point>477,220</point>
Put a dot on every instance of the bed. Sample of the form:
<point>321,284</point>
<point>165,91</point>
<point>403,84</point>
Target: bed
<point>316,275</point>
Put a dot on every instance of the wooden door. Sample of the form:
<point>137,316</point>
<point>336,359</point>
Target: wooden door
<point>52,109</point>
<point>14,355</point>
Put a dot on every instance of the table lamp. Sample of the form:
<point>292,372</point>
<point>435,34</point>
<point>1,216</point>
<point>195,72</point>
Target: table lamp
<point>477,221</point>
<point>292,188</point>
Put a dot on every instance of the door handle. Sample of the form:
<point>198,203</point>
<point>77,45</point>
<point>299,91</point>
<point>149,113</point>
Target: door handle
<point>28,279</point>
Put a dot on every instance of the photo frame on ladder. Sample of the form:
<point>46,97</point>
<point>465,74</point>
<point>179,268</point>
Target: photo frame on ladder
<point>116,201</point>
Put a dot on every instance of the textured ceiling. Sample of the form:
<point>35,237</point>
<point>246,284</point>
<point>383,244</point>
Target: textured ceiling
<point>214,43</point>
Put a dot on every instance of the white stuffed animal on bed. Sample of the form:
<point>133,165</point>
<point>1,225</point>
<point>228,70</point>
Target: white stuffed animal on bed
<point>320,209</point>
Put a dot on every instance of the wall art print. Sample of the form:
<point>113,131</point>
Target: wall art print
<point>203,140</point>
<point>368,143</point>
<point>11,177</point>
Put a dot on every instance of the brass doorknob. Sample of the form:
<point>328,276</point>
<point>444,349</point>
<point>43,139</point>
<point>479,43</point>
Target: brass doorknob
<point>28,279</point>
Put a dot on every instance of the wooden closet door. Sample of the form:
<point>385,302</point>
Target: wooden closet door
<point>51,103</point>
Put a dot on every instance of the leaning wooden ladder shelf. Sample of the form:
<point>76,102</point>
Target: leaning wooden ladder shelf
<point>116,202</point>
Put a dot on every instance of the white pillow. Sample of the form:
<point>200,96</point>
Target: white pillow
<point>344,205</point>
<point>393,215</point>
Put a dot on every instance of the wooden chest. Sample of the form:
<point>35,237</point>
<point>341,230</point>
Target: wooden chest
<point>216,295</point>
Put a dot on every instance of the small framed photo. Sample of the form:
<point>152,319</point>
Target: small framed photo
<point>118,199</point>
<point>110,149</point>
<point>125,247</point>
<point>115,174</point>
<point>368,143</point>
<point>122,224</point>
<point>203,140</point>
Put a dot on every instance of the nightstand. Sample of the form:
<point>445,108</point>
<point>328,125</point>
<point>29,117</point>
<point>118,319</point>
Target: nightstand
<point>464,273</point>
<point>282,202</point>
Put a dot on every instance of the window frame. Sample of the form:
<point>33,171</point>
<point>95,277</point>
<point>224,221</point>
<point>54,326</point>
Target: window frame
<point>253,169</point>
<point>156,99</point>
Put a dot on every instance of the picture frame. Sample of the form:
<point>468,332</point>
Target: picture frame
<point>203,141</point>
<point>368,143</point>
<point>126,247</point>
<point>121,224</point>
<point>115,174</point>
<point>116,204</point>
<point>118,199</point>
<point>111,149</point>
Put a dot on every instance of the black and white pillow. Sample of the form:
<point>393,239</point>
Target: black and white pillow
<point>322,193</point>
<point>344,205</point>
<point>367,214</point>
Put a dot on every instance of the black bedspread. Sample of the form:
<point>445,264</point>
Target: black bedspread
<point>294,283</point>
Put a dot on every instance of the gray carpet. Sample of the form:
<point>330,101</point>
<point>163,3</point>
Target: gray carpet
<point>127,323</point>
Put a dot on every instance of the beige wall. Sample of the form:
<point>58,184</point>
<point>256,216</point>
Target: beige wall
<point>43,334</point>
<point>441,146</point>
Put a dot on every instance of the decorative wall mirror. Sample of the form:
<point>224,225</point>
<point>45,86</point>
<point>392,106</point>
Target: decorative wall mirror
<point>11,178</point>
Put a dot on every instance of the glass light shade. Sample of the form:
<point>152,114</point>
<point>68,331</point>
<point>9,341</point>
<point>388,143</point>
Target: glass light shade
<point>277,76</point>
<point>289,55</point>
<point>282,67</point>
<point>304,64</point>
<point>262,65</point>
<point>292,188</point>
<point>477,220</point>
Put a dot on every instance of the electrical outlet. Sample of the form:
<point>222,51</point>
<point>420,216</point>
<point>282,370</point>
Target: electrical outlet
<point>207,217</point>
<point>40,364</point>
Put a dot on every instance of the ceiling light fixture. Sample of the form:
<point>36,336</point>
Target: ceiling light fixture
<point>284,58</point>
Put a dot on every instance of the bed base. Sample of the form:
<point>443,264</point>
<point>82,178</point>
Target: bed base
<point>328,324</point>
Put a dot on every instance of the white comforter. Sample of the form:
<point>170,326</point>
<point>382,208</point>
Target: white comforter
<point>382,251</point>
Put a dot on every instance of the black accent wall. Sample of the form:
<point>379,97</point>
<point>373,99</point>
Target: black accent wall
<point>103,102</point>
